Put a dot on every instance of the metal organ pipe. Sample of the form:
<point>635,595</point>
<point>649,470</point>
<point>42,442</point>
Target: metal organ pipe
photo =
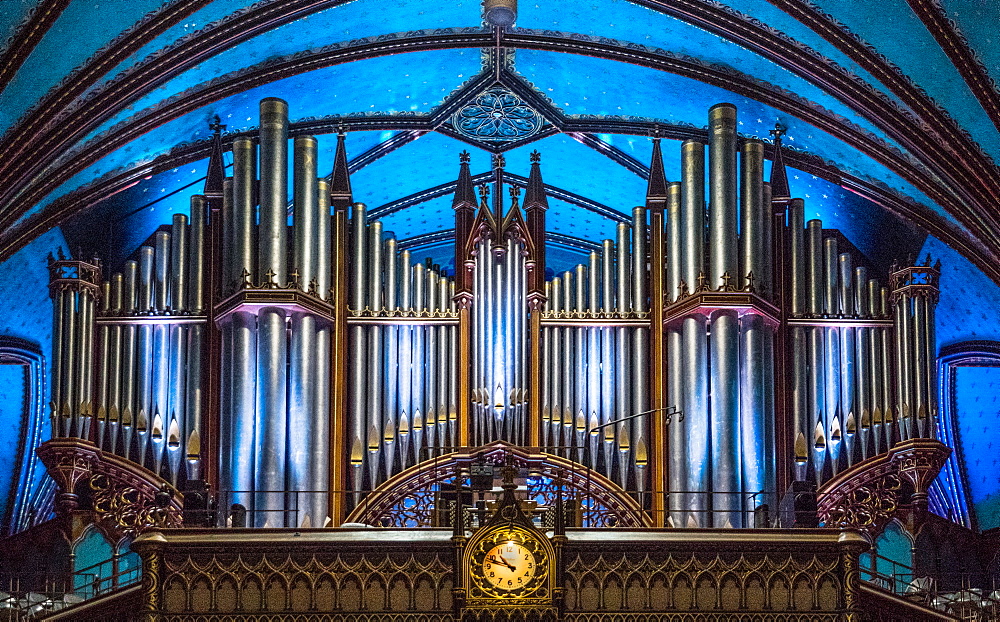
<point>273,234</point>
<point>243,260</point>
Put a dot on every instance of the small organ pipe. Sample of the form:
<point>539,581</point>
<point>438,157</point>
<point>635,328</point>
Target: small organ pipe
<point>357,431</point>
<point>273,229</point>
<point>162,274</point>
<point>797,259</point>
<point>831,293</point>
<point>373,423</point>
<point>197,260</point>
<point>918,409</point>
<point>302,379</point>
<point>392,367</point>
<point>179,265</point>
<point>114,376</point>
<point>228,276</point>
<point>128,368</point>
<point>193,404</point>
<point>814,282</point>
<point>752,412</point>
<point>697,417</point>
<point>319,479</point>
<point>323,239</point>
<point>863,412</point>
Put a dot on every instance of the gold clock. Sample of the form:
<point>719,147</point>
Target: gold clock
<point>509,563</point>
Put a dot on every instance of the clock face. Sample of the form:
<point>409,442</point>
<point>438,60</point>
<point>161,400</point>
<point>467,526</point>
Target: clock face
<point>509,566</point>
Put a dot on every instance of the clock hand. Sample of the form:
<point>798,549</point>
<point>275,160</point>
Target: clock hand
<point>502,561</point>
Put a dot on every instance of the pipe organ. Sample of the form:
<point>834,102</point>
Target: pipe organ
<point>711,348</point>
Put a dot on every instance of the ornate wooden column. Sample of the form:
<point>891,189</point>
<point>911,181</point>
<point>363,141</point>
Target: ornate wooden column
<point>340,199</point>
<point>656,201</point>
<point>464,206</point>
<point>535,205</point>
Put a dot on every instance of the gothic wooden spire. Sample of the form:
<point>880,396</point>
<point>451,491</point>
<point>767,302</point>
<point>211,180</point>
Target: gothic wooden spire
<point>340,181</point>
<point>779,178</point>
<point>216,167</point>
<point>656,191</point>
<point>535,193</point>
<point>465,191</point>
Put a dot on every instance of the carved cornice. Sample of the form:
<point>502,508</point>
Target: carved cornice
<point>34,27</point>
<point>126,498</point>
<point>867,495</point>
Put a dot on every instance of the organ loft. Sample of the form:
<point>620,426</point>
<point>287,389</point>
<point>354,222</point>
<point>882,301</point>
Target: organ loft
<point>287,397</point>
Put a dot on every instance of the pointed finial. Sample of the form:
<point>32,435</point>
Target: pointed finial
<point>656,190</point>
<point>499,161</point>
<point>216,167</point>
<point>779,178</point>
<point>534,195</point>
<point>340,181</point>
<point>216,125</point>
<point>465,193</point>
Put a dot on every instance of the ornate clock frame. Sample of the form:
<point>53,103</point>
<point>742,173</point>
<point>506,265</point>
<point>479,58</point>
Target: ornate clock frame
<point>476,597</point>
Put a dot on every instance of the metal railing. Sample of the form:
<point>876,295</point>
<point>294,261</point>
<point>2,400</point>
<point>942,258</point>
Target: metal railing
<point>33,596</point>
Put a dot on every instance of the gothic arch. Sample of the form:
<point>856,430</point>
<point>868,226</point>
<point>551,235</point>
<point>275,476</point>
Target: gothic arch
<point>406,500</point>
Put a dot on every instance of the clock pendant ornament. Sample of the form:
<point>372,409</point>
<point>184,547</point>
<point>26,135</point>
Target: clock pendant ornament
<point>507,564</point>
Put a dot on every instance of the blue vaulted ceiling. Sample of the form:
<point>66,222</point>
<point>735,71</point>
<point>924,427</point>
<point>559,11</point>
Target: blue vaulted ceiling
<point>891,109</point>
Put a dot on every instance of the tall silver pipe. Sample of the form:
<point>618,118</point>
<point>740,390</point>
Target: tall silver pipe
<point>556,397</point>
<point>305,213</point>
<point>244,257</point>
<point>114,377</point>
<point>70,359</point>
<point>228,445</point>
<point>846,282</point>
<point>273,230</point>
<point>568,369</point>
<point>595,376</point>
<point>443,363</point>
<point>722,188</point>
<point>431,362</point>
<point>145,294</point>
<point>227,270</point>
<point>677,430</point>
<point>931,344</point>
<point>831,277</point>
<point>608,349</point>
<point>753,252</point>
<point>770,429</point>
<point>419,408</point>
<point>196,261</point>
<point>375,370</point>
<point>178,387</point>
<point>128,367</point>
<point>272,428</point>
<point>162,272</point>
<point>878,372</point>
<point>193,406</point>
<point>640,335</point>
<point>863,412</point>
<point>675,250</point>
<point>546,370</point>
<point>324,241</point>
<point>752,427</point>
<point>404,386</point>
<point>179,263</point>
<point>302,379</point>
<point>768,221</point>
<point>695,383</point>
<point>797,258</point>
<point>814,281</point>
<point>725,416</point>
<point>802,412</point>
<point>319,479</point>
<point>904,330</point>
<point>243,458</point>
<point>357,435</point>
<point>692,211</point>
<point>848,348</point>
<point>390,414</point>
<point>831,306</point>
<point>919,344</point>
<point>58,337</point>
<point>453,369</point>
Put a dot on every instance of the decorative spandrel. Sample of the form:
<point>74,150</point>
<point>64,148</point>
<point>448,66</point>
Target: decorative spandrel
<point>497,115</point>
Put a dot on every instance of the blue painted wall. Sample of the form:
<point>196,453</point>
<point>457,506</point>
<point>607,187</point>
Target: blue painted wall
<point>25,312</point>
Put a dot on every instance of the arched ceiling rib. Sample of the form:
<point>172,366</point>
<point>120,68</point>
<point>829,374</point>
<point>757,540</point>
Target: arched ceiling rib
<point>897,121</point>
<point>721,77</point>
